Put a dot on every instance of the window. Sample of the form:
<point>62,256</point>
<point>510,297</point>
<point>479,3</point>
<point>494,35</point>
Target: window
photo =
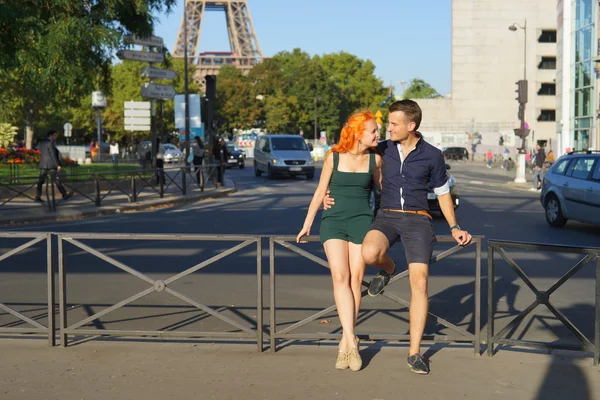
<point>547,63</point>
<point>582,168</point>
<point>288,143</point>
<point>547,36</point>
<point>547,89</point>
<point>547,115</point>
<point>596,173</point>
<point>561,167</point>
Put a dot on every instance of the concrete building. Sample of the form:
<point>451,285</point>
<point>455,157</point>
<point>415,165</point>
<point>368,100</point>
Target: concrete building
<point>487,61</point>
<point>577,69</point>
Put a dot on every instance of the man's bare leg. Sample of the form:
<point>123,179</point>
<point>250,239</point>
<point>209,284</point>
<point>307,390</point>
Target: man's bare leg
<point>419,304</point>
<point>374,250</point>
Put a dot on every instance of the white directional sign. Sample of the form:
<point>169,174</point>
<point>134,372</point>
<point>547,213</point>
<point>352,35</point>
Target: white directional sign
<point>144,56</point>
<point>137,116</point>
<point>68,128</point>
<point>156,73</point>
<point>156,91</point>
<point>152,41</point>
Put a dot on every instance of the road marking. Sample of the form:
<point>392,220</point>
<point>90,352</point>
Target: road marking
<point>476,182</point>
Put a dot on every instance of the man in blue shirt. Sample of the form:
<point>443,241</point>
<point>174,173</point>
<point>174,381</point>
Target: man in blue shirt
<point>410,167</point>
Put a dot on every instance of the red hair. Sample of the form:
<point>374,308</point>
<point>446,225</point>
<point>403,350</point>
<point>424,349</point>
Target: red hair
<point>352,131</point>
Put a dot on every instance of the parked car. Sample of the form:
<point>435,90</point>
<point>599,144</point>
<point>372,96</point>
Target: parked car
<point>571,189</point>
<point>236,156</point>
<point>283,155</point>
<point>172,153</point>
<point>432,200</point>
<point>456,153</point>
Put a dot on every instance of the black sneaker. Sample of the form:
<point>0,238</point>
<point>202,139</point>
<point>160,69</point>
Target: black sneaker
<point>67,196</point>
<point>417,364</point>
<point>378,283</point>
<point>38,200</point>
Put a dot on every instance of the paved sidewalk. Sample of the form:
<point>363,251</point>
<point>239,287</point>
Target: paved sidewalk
<point>23,210</point>
<point>169,370</point>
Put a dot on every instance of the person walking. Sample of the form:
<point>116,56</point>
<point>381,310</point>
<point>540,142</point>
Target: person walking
<point>198,153</point>
<point>505,158</point>
<point>490,158</point>
<point>160,162</point>
<point>221,155</point>
<point>410,166</point>
<point>50,164</point>
<point>538,164</point>
<point>94,147</point>
<point>114,152</point>
<point>349,170</point>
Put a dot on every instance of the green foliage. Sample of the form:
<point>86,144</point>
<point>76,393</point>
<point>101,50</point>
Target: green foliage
<point>419,89</point>
<point>7,134</point>
<point>54,52</point>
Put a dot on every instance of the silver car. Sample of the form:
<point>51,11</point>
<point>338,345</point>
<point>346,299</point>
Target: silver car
<point>283,155</point>
<point>571,189</point>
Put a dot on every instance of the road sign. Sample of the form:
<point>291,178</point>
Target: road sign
<point>144,56</point>
<point>68,128</point>
<point>137,116</point>
<point>156,91</point>
<point>151,41</point>
<point>156,73</point>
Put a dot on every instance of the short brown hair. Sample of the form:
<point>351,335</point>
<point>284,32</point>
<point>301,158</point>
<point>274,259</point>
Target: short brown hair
<point>411,110</point>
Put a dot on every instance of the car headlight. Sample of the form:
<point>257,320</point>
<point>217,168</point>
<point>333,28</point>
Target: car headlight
<point>241,156</point>
<point>310,162</point>
<point>274,161</point>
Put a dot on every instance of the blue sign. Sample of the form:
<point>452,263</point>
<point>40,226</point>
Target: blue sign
<point>193,133</point>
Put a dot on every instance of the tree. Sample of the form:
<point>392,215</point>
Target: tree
<point>7,134</point>
<point>281,113</point>
<point>236,105</point>
<point>419,89</point>
<point>54,53</point>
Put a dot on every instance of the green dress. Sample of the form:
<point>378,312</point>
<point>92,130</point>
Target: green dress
<point>351,216</point>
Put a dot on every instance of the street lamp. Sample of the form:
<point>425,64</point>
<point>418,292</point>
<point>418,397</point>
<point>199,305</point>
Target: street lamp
<point>521,157</point>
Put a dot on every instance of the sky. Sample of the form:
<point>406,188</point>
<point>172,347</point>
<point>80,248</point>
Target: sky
<point>405,39</point>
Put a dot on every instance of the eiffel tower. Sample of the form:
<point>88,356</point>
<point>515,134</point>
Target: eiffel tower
<point>245,51</point>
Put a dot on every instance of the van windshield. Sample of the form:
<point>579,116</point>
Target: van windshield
<point>288,143</point>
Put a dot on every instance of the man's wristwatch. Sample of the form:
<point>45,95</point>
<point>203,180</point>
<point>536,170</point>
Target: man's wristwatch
<point>453,227</point>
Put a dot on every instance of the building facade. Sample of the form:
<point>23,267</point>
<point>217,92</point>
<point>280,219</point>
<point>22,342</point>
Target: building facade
<point>577,56</point>
<point>487,61</point>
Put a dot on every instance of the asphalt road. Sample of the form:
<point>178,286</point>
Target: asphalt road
<point>489,207</point>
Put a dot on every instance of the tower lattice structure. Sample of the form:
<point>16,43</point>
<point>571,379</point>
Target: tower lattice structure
<point>245,51</point>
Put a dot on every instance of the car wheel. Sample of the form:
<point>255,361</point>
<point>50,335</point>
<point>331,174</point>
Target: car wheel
<point>554,215</point>
<point>270,172</point>
<point>310,176</point>
<point>241,165</point>
<point>257,172</point>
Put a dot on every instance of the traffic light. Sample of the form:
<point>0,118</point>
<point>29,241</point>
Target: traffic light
<point>521,114</point>
<point>521,91</point>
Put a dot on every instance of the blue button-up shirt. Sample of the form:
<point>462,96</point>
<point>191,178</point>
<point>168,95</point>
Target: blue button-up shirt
<point>406,182</point>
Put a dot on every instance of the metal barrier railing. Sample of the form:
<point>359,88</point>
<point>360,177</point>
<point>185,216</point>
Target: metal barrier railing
<point>34,326</point>
<point>97,186</point>
<point>157,286</point>
<point>542,297</point>
<point>464,335</point>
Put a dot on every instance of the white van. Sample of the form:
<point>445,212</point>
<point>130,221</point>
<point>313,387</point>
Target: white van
<point>283,155</point>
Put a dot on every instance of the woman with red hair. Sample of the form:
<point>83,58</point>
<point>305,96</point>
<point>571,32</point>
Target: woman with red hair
<point>349,171</point>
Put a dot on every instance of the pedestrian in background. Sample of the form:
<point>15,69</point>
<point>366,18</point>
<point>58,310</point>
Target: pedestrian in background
<point>160,162</point>
<point>94,150</point>
<point>490,158</point>
<point>221,155</point>
<point>198,152</point>
<point>538,164</point>
<point>350,169</point>
<point>114,152</point>
<point>50,164</point>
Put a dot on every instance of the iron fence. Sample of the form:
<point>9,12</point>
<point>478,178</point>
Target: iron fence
<point>287,333</point>
<point>542,296</point>
<point>33,325</point>
<point>158,286</point>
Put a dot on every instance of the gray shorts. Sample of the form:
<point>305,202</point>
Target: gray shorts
<point>414,231</point>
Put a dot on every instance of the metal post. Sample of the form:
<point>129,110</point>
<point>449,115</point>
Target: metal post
<point>273,328</point>
<point>133,190</point>
<point>315,119</point>
<point>154,146</point>
<point>490,321</point>
<point>597,319</point>
<point>97,183</point>
<point>183,182</point>
<point>259,294</point>
<point>99,134</point>
<point>51,299</point>
<point>62,293</point>
<point>478,297</point>
<point>185,84</point>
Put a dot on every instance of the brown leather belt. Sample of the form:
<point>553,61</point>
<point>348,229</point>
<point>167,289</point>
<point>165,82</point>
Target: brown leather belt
<point>416,212</point>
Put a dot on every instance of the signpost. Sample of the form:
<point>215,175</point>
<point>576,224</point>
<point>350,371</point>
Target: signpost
<point>156,73</point>
<point>144,56</point>
<point>152,41</point>
<point>137,116</point>
<point>157,91</point>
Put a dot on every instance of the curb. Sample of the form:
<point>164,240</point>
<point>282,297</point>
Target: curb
<point>72,215</point>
